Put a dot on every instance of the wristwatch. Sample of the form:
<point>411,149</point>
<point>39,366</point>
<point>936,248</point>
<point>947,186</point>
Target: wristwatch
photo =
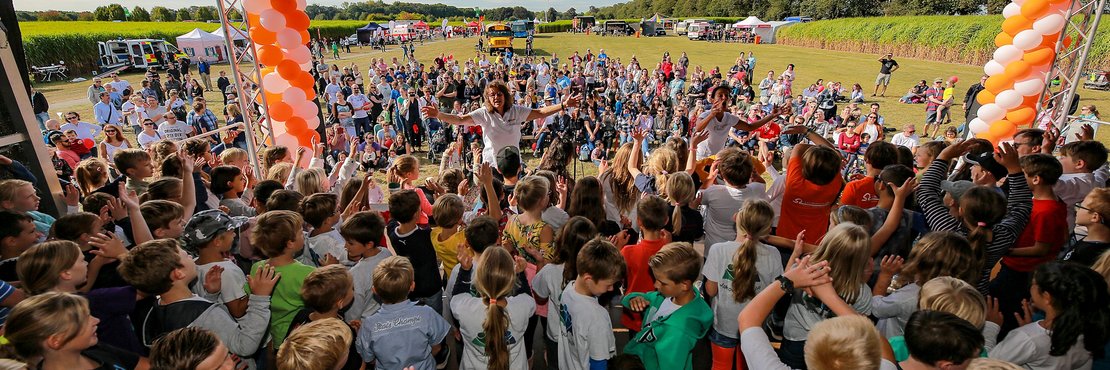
<point>785,283</point>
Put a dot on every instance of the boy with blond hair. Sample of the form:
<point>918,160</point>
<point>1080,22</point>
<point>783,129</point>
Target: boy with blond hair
<point>279,236</point>
<point>401,333</point>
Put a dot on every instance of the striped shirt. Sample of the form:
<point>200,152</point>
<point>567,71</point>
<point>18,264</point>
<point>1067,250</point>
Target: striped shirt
<point>6,291</point>
<point>1019,204</point>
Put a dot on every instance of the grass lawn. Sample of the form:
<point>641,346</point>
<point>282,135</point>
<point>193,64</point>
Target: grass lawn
<point>810,64</point>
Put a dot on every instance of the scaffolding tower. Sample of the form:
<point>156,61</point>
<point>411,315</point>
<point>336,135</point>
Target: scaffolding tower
<point>1070,64</point>
<point>246,70</point>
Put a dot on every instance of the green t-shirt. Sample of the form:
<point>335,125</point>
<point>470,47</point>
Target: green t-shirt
<point>286,300</point>
<point>902,353</point>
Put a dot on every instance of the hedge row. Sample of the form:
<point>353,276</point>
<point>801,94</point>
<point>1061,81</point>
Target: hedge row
<point>956,39</point>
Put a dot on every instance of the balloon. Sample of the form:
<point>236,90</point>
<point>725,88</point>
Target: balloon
<point>255,6</point>
<point>304,81</point>
<point>1032,86</point>
<point>272,20</point>
<point>1016,70</point>
<point>1050,24</point>
<point>1016,24</point>
<point>1067,41</point>
<point>1022,116</point>
<point>985,97</point>
<point>312,122</point>
<point>1040,56</point>
<point>297,20</point>
<point>269,55</point>
<point>252,19</point>
<point>273,83</point>
<point>289,38</point>
<point>305,35</point>
<point>1033,9</point>
<point>287,140</point>
<point>990,112</point>
<point>1002,129</point>
<point>300,54</point>
<point>1003,39</point>
<point>280,111</point>
<point>993,68</point>
<point>309,93</point>
<point>287,6</point>
<point>262,36</point>
<point>1031,101</point>
<point>295,125</point>
<point>977,125</point>
<point>306,109</point>
<point>308,138</point>
<point>272,97</point>
<point>1011,10</point>
<point>1049,41</point>
<point>294,96</point>
<point>1028,40</point>
<point>301,4</point>
<point>288,69</point>
<point>1006,54</point>
<point>997,84</point>
<point>1008,99</point>
<point>306,66</point>
<point>278,127</point>
<point>88,143</point>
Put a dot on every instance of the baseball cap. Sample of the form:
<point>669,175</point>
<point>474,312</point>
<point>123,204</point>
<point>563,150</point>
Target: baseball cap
<point>956,188</point>
<point>938,80</point>
<point>987,162</point>
<point>205,225</point>
<point>508,160</point>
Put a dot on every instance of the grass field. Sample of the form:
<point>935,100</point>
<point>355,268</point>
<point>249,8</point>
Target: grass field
<point>810,65</point>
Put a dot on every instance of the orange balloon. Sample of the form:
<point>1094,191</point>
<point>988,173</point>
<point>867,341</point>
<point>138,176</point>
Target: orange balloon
<point>296,126</point>
<point>998,83</point>
<point>253,19</point>
<point>1003,39</point>
<point>262,36</point>
<point>305,35</point>
<point>1049,41</point>
<point>1039,56</point>
<point>298,20</point>
<point>309,93</point>
<point>270,55</point>
<point>1033,9</point>
<point>270,98</point>
<point>1016,70</point>
<point>986,135</point>
<point>308,137</point>
<point>303,80</point>
<point>1003,129</point>
<point>985,97</point>
<point>279,111</point>
<point>1016,24</point>
<point>284,6</point>
<point>288,69</point>
<point>1022,116</point>
<point>1067,41</point>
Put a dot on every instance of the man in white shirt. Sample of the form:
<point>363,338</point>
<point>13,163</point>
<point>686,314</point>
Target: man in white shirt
<point>118,84</point>
<point>907,138</point>
<point>134,112</point>
<point>154,110</point>
<point>105,112</point>
<point>719,121</point>
<point>331,89</point>
<point>361,107</point>
<point>84,129</point>
<point>174,130</point>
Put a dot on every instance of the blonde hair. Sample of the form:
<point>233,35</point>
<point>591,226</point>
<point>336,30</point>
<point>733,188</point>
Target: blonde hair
<point>393,278</point>
<point>494,279</point>
<point>233,154</point>
<point>681,191</point>
<point>404,165</point>
<point>847,248</point>
<point>318,345</point>
<point>279,172</point>
<point>662,162</point>
<point>159,151</point>
<point>273,231</point>
<point>91,174</point>
<point>1102,265</point>
<point>677,262</point>
<point>620,180</point>
<point>940,253</point>
<point>991,364</point>
<point>753,222</point>
<point>954,296</point>
<point>532,193</point>
<point>448,210</point>
<point>842,343</point>
<point>41,316</point>
<point>41,266</point>
<point>8,189</point>
<point>311,181</point>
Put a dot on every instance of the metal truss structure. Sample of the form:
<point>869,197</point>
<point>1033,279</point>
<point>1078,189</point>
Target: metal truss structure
<point>245,70</point>
<point>1071,62</point>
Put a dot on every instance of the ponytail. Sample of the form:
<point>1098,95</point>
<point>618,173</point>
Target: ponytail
<point>1080,299</point>
<point>676,218</point>
<point>680,190</point>
<point>494,280</point>
<point>980,237</point>
<point>497,323</point>
<point>753,222</point>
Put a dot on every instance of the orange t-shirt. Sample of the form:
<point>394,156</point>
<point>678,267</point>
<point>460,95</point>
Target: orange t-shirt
<point>860,193</point>
<point>805,205</point>
<point>638,276</point>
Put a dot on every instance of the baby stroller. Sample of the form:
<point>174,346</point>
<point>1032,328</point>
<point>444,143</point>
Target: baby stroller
<point>440,140</point>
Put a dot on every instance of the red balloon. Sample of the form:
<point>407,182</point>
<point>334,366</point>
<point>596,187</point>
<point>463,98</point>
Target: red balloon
<point>298,20</point>
<point>309,93</point>
<point>308,137</point>
<point>284,6</point>
<point>269,55</point>
<point>288,69</point>
<point>296,126</point>
<point>280,111</point>
<point>89,143</point>
<point>305,36</point>
<point>262,36</point>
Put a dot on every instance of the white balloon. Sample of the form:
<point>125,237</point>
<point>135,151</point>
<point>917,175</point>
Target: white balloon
<point>1004,55</point>
<point>272,20</point>
<point>293,96</point>
<point>977,125</point>
<point>301,4</point>
<point>307,109</point>
<point>1011,10</point>
<point>289,38</point>
<point>285,139</point>
<point>278,126</point>
<point>313,122</point>
<point>306,66</point>
<point>993,68</point>
<point>1008,99</point>
<point>256,6</point>
<point>1028,40</point>
<point>1019,2</point>
<point>1029,87</point>
<point>300,54</point>
<point>274,84</point>
<point>991,112</point>
<point>1049,24</point>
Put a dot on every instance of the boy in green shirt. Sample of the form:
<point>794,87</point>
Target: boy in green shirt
<point>278,235</point>
<point>675,315</point>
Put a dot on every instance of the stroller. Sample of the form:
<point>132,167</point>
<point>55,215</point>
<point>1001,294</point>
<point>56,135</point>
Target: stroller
<point>441,138</point>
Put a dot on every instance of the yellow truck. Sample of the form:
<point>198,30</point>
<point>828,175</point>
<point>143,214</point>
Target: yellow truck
<point>500,38</point>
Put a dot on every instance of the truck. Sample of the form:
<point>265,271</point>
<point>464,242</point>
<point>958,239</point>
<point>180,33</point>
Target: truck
<point>123,54</point>
<point>680,28</point>
<point>698,31</point>
<point>500,38</point>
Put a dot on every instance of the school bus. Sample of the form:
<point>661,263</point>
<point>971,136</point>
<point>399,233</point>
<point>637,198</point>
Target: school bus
<point>500,38</point>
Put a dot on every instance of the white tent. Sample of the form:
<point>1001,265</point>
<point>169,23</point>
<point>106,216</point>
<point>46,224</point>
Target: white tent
<point>760,28</point>
<point>238,37</point>
<point>199,44</point>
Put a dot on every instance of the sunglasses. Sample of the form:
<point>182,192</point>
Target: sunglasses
<point>71,117</point>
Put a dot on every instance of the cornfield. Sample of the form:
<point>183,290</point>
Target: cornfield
<point>953,39</point>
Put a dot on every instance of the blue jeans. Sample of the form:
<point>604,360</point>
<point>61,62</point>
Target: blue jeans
<point>42,118</point>
<point>435,301</point>
<point>722,340</point>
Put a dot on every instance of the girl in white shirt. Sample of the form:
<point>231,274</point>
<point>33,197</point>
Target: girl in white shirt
<point>492,322</point>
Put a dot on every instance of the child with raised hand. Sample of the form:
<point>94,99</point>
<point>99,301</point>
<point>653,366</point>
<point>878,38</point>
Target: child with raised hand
<point>553,278</point>
<point>447,235</point>
<point>940,340</point>
<point>210,235</point>
<point>493,320</point>
<point>361,234</point>
<point>318,181</point>
<point>191,348</point>
<point>675,315</point>
<point>229,183</point>
<point>662,161</point>
<point>734,272</point>
<point>55,330</point>
<point>720,202</point>
<point>847,248</point>
<point>404,171</point>
<point>992,224</point>
<point>318,345</point>
<point>1074,299</point>
<point>585,333</point>
<point>936,254</point>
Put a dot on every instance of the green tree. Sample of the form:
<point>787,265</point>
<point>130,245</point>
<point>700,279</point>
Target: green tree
<point>551,14</point>
<point>591,10</point>
<point>234,14</point>
<point>101,14</point>
<point>204,14</point>
<point>183,15</point>
<point>162,14</point>
<point>140,15</point>
<point>571,13</point>
<point>85,16</point>
<point>779,9</point>
<point>116,12</point>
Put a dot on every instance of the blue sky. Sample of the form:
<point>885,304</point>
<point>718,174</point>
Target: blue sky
<point>561,5</point>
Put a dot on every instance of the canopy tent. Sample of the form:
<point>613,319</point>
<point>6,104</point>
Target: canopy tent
<point>199,45</point>
<point>366,34</point>
<point>472,25</point>
<point>420,25</point>
<point>656,18</point>
<point>760,29</point>
<point>238,38</point>
<point>752,22</point>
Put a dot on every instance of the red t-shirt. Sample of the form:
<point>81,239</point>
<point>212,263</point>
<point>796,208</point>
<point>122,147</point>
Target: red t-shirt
<point>769,131</point>
<point>860,193</point>
<point>805,205</point>
<point>1048,223</point>
<point>638,275</point>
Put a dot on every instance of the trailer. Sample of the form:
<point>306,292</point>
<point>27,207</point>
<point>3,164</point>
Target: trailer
<point>136,53</point>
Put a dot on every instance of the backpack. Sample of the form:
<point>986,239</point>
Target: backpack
<point>161,320</point>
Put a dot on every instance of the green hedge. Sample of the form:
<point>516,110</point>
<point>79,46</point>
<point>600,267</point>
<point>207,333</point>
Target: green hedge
<point>965,39</point>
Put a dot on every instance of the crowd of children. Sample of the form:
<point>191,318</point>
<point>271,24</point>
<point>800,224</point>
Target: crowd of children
<point>187,261</point>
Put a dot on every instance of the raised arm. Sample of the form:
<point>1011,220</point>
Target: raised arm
<point>552,109</point>
<point>894,217</point>
<point>929,196</point>
<point>431,111</point>
<point>637,153</point>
